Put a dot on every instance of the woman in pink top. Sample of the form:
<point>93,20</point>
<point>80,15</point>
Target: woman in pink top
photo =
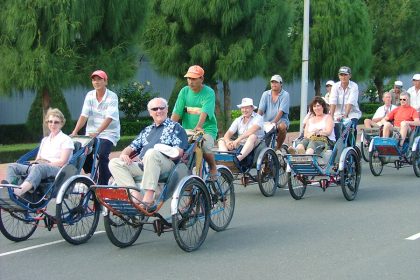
<point>319,129</point>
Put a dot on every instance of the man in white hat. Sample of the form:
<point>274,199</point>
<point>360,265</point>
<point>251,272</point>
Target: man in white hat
<point>414,92</point>
<point>274,107</point>
<point>249,128</point>
<point>328,87</point>
<point>396,91</point>
<point>153,158</point>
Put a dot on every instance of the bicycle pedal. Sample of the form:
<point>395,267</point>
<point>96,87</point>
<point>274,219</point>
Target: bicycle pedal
<point>158,227</point>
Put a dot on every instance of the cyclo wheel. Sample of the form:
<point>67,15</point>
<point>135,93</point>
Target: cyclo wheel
<point>297,185</point>
<point>268,174</point>
<point>375,163</point>
<point>222,200</point>
<point>191,222</point>
<point>350,175</point>
<point>123,230</point>
<point>17,225</point>
<point>78,213</point>
<point>416,161</point>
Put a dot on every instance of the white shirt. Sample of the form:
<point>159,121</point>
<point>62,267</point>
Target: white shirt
<point>383,111</point>
<point>97,112</point>
<point>51,148</point>
<point>414,98</point>
<point>239,127</point>
<point>341,97</point>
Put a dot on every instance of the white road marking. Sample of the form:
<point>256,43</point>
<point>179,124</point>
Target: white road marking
<point>414,237</point>
<point>37,246</point>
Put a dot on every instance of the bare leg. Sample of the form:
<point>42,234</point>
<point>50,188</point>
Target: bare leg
<point>248,147</point>
<point>281,135</point>
<point>212,163</point>
<point>368,123</point>
<point>222,145</point>
<point>387,129</point>
<point>404,131</point>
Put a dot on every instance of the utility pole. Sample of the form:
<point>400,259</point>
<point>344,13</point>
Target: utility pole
<point>305,62</point>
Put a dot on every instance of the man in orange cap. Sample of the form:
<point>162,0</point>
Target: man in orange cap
<point>195,105</point>
<point>100,111</point>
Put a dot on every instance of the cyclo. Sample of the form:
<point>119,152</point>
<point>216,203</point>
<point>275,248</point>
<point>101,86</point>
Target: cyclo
<point>196,203</point>
<point>269,167</point>
<point>75,210</point>
<point>386,150</point>
<point>339,167</point>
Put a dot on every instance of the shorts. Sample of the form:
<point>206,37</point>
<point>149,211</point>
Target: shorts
<point>208,144</point>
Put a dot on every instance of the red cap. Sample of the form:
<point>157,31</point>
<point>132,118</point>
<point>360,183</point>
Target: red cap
<point>101,74</point>
<point>194,72</point>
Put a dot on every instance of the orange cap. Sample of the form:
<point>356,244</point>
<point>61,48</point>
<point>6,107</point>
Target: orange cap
<point>194,71</point>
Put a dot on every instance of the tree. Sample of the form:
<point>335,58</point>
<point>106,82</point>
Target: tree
<point>396,39</point>
<point>340,34</point>
<point>232,40</point>
<point>46,46</point>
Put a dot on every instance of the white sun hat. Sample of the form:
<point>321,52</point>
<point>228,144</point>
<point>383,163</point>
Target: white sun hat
<point>167,150</point>
<point>247,102</point>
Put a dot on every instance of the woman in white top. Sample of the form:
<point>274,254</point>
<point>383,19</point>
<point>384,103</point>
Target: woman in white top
<point>54,152</point>
<point>319,129</point>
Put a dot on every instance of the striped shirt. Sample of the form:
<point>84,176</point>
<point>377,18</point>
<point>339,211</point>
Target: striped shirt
<point>97,112</point>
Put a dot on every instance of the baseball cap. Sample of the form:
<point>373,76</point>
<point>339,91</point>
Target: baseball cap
<point>344,70</point>
<point>416,77</point>
<point>398,83</point>
<point>194,72</point>
<point>101,74</point>
<point>329,83</point>
<point>277,78</point>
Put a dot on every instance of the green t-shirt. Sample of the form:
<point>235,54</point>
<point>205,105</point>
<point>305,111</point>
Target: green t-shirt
<point>190,104</point>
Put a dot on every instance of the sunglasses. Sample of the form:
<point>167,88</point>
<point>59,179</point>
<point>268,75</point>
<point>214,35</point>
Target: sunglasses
<point>403,99</point>
<point>158,108</point>
<point>53,122</point>
<point>328,86</point>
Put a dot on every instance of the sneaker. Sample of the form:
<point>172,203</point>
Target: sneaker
<point>291,150</point>
<point>245,180</point>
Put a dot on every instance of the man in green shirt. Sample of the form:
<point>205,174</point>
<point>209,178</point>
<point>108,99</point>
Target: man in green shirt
<point>195,105</point>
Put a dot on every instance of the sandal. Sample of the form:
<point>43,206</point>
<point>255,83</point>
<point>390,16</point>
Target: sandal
<point>148,206</point>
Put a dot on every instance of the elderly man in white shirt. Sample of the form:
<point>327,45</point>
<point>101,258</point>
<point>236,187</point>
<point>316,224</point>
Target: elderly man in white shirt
<point>414,92</point>
<point>381,112</point>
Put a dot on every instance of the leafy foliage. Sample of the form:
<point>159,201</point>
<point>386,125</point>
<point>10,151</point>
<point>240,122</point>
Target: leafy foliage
<point>46,46</point>
<point>396,38</point>
<point>340,34</point>
<point>232,40</point>
<point>133,98</point>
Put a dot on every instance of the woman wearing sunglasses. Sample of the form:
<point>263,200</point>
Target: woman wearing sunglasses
<point>404,117</point>
<point>54,152</point>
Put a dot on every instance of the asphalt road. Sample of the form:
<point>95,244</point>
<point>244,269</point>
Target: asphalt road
<point>322,236</point>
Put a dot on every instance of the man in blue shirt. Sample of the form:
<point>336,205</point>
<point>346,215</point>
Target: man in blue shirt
<point>151,161</point>
<point>274,107</point>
